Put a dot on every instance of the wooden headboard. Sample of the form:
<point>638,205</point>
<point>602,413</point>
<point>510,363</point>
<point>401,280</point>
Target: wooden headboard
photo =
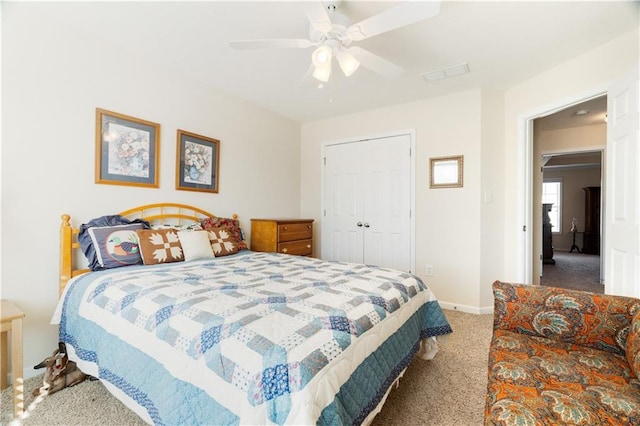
<point>156,214</point>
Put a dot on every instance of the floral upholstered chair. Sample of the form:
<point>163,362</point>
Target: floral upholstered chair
<point>563,357</point>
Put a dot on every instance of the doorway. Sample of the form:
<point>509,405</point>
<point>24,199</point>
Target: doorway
<point>572,185</point>
<point>568,148</point>
<point>621,221</point>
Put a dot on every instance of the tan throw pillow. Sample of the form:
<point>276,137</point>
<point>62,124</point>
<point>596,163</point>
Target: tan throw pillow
<point>223,242</point>
<point>160,246</point>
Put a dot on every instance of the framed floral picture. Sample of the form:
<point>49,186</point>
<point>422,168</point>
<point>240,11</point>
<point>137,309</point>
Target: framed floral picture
<point>197,162</point>
<point>127,150</point>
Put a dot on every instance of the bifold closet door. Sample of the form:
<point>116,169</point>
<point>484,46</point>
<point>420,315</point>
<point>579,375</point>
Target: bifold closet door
<point>367,202</point>
<point>343,200</point>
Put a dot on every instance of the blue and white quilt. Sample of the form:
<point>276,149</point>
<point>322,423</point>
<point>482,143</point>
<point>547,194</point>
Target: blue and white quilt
<point>252,338</point>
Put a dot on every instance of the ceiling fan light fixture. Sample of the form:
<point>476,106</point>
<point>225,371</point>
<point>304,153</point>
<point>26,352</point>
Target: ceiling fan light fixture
<point>348,63</point>
<point>322,73</point>
<point>322,56</point>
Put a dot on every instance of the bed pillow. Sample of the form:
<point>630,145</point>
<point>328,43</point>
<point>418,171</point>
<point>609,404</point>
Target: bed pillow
<point>87,244</point>
<point>233,225</point>
<point>159,246</point>
<point>195,245</point>
<point>190,227</point>
<point>116,246</point>
<point>223,242</point>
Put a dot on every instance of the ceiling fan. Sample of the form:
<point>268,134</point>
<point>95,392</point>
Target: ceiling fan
<point>332,35</point>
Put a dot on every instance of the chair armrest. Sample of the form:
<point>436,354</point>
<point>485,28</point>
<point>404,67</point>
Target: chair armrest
<point>589,319</point>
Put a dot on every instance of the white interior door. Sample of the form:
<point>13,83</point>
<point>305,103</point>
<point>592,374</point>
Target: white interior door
<point>367,202</point>
<point>343,201</point>
<point>622,213</point>
<point>387,203</point>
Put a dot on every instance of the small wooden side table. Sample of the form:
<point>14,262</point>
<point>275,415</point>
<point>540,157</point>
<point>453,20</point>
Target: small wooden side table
<point>11,318</point>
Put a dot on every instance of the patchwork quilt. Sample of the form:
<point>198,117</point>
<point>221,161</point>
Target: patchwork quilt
<point>251,338</point>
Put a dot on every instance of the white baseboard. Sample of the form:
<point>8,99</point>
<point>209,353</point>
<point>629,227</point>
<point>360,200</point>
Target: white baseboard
<point>468,309</point>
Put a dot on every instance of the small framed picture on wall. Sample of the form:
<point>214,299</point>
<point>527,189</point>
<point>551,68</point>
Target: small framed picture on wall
<point>197,162</point>
<point>446,172</point>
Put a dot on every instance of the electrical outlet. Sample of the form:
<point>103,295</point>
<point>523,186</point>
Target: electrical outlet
<point>429,270</point>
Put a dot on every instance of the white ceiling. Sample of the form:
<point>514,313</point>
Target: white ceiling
<point>504,43</point>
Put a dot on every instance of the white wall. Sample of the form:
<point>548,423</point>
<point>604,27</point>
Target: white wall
<point>579,78</point>
<point>53,78</point>
<point>448,221</point>
<point>491,197</point>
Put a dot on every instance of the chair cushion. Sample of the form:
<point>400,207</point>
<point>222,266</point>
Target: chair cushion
<point>536,380</point>
<point>633,345</point>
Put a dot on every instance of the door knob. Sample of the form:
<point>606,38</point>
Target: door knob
<point>359,224</point>
<point>366,225</point>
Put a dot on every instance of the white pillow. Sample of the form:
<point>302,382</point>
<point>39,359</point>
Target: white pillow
<point>195,245</point>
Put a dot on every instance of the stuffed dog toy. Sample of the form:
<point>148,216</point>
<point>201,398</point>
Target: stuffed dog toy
<point>60,372</point>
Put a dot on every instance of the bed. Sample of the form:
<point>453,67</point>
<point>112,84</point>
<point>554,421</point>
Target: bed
<point>245,338</point>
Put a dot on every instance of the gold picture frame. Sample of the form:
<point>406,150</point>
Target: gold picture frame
<point>197,163</point>
<point>446,172</point>
<point>127,150</point>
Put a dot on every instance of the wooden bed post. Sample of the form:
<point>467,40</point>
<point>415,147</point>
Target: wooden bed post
<point>65,252</point>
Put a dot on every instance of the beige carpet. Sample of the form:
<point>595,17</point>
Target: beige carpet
<point>446,391</point>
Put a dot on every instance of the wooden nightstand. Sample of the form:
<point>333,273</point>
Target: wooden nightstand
<point>11,318</point>
<point>289,236</point>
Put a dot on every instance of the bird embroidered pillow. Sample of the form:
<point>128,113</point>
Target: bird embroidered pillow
<point>116,245</point>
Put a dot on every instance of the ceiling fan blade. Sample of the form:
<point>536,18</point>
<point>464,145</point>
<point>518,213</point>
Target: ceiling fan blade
<point>318,16</point>
<point>272,43</point>
<point>375,63</point>
<point>396,17</point>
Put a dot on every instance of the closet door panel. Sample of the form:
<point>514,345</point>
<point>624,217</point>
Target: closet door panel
<point>387,201</point>
<point>341,235</point>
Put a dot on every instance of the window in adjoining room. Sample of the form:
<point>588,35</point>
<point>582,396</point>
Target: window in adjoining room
<point>552,194</point>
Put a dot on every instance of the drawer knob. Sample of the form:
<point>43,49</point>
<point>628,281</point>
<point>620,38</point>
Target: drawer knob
<point>308,245</point>
<point>284,227</point>
<point>284,250</point>
<point>308,226</point>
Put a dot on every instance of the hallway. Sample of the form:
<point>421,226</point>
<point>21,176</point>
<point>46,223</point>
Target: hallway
<point>576,271</point>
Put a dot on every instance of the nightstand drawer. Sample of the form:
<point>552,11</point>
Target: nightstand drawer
<point>300,247</point>
<point>295,231</point>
